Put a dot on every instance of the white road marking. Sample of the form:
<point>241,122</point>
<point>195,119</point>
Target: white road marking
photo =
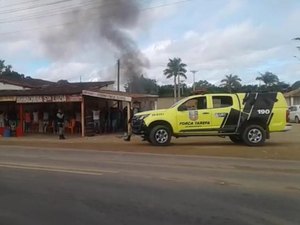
<point>55,169</point>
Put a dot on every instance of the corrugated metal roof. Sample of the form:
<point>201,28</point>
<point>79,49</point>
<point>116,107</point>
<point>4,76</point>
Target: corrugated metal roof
<point>64,88</point>
<point>294,93</point>
<point>57,89</point>
<point>24,82</point>
<point>132,95</point>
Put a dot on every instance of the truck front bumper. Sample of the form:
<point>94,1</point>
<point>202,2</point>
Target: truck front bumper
<point>138,127</point>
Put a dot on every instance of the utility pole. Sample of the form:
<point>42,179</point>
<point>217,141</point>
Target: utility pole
<point>178,96</point>
<point>118,75</point>
<point>194,72</point>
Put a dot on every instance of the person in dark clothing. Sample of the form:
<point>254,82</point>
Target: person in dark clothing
<point>128,132</point>
<point>60,118</point>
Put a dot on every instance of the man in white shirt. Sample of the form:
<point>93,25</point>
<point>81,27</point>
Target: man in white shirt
<point>96,118</point>
<point>45,121</point>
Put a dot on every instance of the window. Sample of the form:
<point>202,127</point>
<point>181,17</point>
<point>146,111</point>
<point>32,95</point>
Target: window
<point>293,108</point>
<point>222,101</point>
<point>202,103</point>
<point>194,104</point>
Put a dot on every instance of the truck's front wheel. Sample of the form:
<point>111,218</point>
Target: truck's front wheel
<point>254,135</point>
<point>160,135</point>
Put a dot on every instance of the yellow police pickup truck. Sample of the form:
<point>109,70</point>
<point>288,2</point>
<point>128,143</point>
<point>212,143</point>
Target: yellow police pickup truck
<point>244,117</point>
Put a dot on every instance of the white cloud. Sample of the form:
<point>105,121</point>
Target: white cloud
<point>64,71</point>
<point>242,45</point>
<point>242,49</point>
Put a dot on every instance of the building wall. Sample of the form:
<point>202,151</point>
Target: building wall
<point>293,97</point>
<point>4,86</point>
<point>163,103</point>
<point>295,100</point>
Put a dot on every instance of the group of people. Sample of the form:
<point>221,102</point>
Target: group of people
<point>34,122</point>
<point>109,120</point>
<point>6,118</point>
<point>105,120</point>
<point>38,121</point>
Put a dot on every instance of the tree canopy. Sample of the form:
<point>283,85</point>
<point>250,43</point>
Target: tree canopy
<point>141,85</point>
<point>231,82</point>
<point>144,85</point>
<point>268,78</point>
<point>176,69</point>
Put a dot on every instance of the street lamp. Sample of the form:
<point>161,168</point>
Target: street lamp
<point>194,72</point>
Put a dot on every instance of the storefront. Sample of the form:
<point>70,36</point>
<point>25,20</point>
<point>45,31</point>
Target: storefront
<point>87,112</point>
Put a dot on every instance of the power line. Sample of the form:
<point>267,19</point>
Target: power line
<point>33,7</point>
<point>61,11</point>
<point>70,23</point>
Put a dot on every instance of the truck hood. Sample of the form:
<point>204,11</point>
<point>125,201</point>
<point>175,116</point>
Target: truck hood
<point>160,111</point>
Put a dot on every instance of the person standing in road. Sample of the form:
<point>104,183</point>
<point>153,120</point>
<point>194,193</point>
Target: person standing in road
<point>60,117</point>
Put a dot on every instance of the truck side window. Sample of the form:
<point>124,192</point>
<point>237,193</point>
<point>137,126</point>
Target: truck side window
<point>191,104</point>
<point>202,104</point>
<point>194,104</point>
<point>222,101</point>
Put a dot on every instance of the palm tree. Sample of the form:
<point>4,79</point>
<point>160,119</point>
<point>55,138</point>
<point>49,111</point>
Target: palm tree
<point>2,65</point>
<point>8,69</point>
<point>176,69</point>
<point>231,82</point>
<point>268,78</point>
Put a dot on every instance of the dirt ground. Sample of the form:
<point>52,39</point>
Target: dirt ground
<point>281,145</point>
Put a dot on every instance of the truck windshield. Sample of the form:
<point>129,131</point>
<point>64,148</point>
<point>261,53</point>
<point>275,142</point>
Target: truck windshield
<point>178,102</point>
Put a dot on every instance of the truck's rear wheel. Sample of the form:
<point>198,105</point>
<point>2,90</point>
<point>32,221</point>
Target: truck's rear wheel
<point>297,119</point>
<point>160,135</point>
<point>254,135</point>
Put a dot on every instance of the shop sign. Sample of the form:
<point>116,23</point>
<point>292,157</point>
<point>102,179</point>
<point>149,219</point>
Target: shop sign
<point>41,99</point>
<point>74,98</point>
<point>7,98</point>
<point>107,96</point>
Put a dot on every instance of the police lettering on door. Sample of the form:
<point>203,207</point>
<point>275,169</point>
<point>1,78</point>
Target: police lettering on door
<point>194,123</point>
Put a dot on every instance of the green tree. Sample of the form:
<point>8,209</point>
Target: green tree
<point>2,66</point>
<point>296,85</point>
<point>268,78</point>
<point>166,90</point>
<point>176,69</point>
<point>141,85</point>
<point>5,70</point>
<point>8,69</point>
<point>202,84</point>
<point>282,86</point>
<point>249,88</point>
<point>231,82</point>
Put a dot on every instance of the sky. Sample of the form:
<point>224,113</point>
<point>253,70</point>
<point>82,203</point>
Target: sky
<point>80,40</point>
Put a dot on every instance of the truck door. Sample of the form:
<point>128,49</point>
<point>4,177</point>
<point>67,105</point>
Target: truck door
<point>193,115</point>
<point>225,112</point>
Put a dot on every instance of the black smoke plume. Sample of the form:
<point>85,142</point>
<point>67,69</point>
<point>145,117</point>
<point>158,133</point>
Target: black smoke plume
<point>102,24</point>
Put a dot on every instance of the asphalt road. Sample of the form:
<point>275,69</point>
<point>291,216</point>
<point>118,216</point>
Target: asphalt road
<point>65,186</point>
<point>282,145</point>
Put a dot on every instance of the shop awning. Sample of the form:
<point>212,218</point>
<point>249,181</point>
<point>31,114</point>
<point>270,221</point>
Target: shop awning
<point>112,96</point>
